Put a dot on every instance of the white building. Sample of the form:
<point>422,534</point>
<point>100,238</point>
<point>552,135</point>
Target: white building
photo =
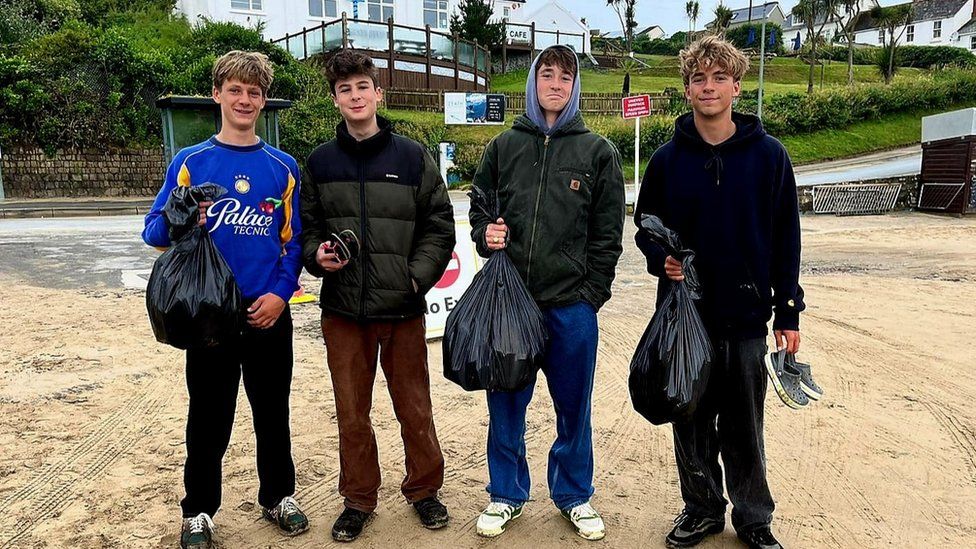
<point>933,23</point>
<point>281,17</point>
<point>795,29</point>
<point>551,16</point>
<point>770,11</point>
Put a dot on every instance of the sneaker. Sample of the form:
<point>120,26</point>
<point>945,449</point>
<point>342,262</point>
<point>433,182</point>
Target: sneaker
<point>807,383</point>
<point>589,525</point>
<point>690,530</point>
<point>350,524</point>
<point>287,516</point>
<point>760,538</point>
<point>496,517</point>
<point>786,380</point>
<point>433,514</point>
<point>198,532</point>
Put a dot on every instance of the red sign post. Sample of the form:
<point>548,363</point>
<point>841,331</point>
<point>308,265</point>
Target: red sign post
<point>636,106</point>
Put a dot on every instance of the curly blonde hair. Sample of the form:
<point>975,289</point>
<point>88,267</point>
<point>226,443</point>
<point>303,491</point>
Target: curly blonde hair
<point>712,50</point>
<point>249,67</point>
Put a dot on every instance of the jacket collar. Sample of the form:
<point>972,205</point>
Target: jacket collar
<point>368,146</point>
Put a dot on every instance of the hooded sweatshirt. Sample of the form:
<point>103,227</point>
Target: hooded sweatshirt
<point>735,205</point>
<point>532,108</point>
<point>561,193</point>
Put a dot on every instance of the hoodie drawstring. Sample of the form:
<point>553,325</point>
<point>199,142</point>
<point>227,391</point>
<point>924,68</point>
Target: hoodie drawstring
<point>716,162</point>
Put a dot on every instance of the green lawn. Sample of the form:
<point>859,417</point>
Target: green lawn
<point>781,75</point>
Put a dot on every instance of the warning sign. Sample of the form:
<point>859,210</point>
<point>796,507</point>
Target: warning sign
<point>443,297</point>
<point>635,106</point>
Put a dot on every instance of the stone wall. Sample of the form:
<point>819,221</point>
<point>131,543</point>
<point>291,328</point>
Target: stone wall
<point>907,198</point>
<point>29,173</point>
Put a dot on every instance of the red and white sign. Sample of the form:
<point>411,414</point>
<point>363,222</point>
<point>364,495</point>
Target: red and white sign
<point>636,106</point>
<point>443,297</point>
<point>451,273</point>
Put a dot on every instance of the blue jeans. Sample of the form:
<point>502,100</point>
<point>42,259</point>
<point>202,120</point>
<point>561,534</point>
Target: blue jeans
<point>569,368</point>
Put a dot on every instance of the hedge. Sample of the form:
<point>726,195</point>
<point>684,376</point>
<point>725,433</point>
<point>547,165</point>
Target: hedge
<point>922,57</point>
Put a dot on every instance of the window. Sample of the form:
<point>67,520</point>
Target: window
<point>246,5</point>
<point>881,36</point>
<point>435,13</point>
<point>506,11</point>
<point>322,8</point>
<point>937,29</point>
<point>910,33</point>
<point>380,10</point>
<point>972,42</point>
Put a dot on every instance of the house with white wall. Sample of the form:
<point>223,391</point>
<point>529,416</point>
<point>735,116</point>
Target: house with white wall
<point>550,15</point>
<point>281,17</point>
<point>795,32</point>
<point>770,11</point>
<point>933,23</point>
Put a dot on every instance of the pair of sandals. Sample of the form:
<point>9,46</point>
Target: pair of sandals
<point>792,380</point>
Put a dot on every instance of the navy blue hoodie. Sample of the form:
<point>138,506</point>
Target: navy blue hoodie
<point>735,205</point>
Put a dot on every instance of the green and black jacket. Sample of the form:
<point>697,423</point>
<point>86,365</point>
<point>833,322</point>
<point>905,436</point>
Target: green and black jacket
<point>562,198</point>
<point>386,189</point>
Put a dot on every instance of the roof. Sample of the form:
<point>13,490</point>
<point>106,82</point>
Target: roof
<point>649,29</point>
<point>926,10</point>
<point>759,13</point>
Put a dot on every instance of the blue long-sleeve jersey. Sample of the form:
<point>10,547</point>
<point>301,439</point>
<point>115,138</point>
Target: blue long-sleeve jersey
<point>255,225</point>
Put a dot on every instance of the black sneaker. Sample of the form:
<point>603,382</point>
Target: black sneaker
<point>197,532</point>
<point>287,516</point>
<point>350,524</point>
<point>760,538</point>
<point>433,514</point>
<point>690,530</point>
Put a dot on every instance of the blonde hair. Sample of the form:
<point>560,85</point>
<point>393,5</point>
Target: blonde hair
<point>712,50</point>
<point>249,67</point>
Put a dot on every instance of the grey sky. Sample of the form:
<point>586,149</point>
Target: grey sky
<point>669,14</point>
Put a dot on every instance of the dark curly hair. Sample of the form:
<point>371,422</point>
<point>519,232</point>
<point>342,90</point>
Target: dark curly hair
<point>348,63</point>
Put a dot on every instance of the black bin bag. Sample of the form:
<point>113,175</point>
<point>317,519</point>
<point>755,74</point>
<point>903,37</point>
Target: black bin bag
<point>495,338</point>
<point>192,297</point>
<point>670,368</point>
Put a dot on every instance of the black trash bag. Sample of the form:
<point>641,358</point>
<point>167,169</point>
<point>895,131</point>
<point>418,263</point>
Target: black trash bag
<point>192,298</point>
<point>670,368</point>
<point>495,338</point>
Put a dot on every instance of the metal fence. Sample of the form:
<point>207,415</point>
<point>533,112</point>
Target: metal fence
<point>856,199</point>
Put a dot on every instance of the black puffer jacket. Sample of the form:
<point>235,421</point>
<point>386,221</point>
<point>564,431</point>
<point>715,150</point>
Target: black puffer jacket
<point>386,189</point>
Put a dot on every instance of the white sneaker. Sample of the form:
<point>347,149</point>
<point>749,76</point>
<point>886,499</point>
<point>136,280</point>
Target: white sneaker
<point>496,517</point>
<point>589,525</point>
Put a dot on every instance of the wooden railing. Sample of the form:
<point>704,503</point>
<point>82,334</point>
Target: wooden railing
<point>439,50</point>
<point>590,103</point>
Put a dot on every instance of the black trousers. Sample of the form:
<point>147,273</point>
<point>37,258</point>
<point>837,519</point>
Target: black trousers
<point>264,359</point>
<point>728,421</point>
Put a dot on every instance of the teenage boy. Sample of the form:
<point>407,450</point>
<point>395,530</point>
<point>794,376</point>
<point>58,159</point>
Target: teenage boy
<point>727,188</point>
<point>263,252</point>
<point>561,197</point>
<point>387,190</point>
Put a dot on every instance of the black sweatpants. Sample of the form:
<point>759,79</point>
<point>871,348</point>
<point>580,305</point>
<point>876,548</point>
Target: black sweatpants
<point>213,375</point>
<point>728,421</point>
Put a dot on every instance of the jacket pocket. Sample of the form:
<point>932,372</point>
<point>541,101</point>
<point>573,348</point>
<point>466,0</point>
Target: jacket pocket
<point>576,263</point>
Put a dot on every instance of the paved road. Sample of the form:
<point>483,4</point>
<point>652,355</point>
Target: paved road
<point>906,161</point>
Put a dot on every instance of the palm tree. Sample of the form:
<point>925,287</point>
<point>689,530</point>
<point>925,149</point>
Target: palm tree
<point>723,17</point>
<point>890,19</point>
<point>812,12</point>
<point>847,12</point>
<point>691,9</point>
